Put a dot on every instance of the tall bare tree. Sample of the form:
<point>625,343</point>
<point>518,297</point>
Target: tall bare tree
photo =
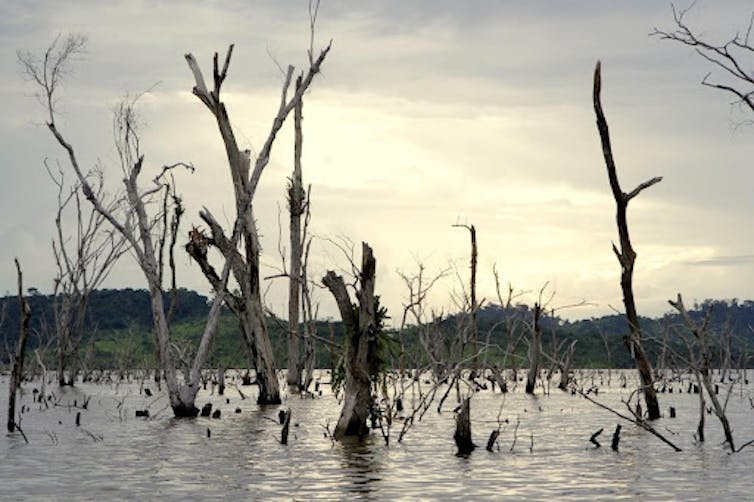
<point>132,220</point>
<point>626,255</point>
<point>247,306</point>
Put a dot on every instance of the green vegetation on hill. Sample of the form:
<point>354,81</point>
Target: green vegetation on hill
<point>118,331</point>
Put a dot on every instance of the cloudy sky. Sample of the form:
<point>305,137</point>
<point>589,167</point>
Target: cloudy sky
<point>428,113</point>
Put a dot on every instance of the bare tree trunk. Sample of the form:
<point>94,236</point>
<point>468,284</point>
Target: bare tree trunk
<point>565,369</point>
<point>703,369</point>
<point>296,198</point>
<point>220,380</point>
<point>360,326</point>
<point>18,361</point>
<point>534,351</point>
<point>626,255</point>
<point>462,435</point>
<point>308,364</point>
<point>248,307</point>
<point>702,406</point>
<point>473,307</point>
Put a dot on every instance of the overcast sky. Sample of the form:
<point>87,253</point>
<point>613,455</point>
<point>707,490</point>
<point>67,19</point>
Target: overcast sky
<point>427,113</point>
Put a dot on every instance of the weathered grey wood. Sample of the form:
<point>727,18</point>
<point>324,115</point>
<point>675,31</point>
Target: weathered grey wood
<point>248,306</point>
<point>296,199</point>
<point>134,223</point>
<point>360,347</point>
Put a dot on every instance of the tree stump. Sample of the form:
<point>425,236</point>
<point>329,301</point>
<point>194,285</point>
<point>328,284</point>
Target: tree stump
<point>616,438</point>
<point>286,426</point>
<point>462,435</point>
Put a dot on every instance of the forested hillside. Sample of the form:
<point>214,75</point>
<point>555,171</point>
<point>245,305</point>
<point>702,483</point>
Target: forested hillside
<point>118,328</point>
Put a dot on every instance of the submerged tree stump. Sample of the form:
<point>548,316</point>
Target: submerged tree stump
<point>462,435</point>
<point>616,437</point>
<point>286,426</point>
<point>360,324</point>
<point>492,439</point>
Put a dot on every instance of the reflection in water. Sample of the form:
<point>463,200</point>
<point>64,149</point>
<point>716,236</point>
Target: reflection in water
<point>162,457</point>
<point>361,465</point>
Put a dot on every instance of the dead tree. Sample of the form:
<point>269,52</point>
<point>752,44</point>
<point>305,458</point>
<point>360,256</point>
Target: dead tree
<point>360,323</point>
<point>296,208</point>
<point>626,255</point>
<point>535,348</point>
<point>132,220</point>
<point>473,305</point>
<point>247,306</point>
<point>701,366</point>
<point>84,258</point>
<point>565,366</point>
<point>18,361</point>
<point>734,57</point>
<point>308,361</point>
<point>462,435</point>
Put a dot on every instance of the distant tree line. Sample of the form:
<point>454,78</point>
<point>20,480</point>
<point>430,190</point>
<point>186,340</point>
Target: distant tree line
<point>117,316</point>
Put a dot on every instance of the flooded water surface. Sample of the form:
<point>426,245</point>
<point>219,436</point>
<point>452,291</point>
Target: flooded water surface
<point>543,450</point>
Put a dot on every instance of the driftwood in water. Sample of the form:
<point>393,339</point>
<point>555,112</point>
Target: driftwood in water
<point>296,208</point>
<point>462,435</point>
